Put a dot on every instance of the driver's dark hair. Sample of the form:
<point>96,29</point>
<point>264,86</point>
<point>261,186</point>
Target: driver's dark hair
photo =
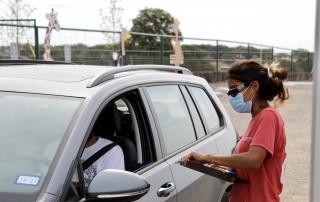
<point>90,136</point>
<point>271,83</point>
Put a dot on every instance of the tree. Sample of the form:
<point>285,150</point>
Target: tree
<point>301,53</point>
<point>16,10</point>
<point>111,21</point>
<point>152,21</point>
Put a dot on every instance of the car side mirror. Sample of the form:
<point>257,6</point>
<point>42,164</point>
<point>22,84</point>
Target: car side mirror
<point>117,185</point>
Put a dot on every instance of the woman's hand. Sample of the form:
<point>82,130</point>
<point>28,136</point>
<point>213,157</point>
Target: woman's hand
<point>194,156</point>
<point>75,183</point>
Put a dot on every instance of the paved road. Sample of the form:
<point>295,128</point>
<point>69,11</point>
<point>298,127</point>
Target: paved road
<point>297,116</point>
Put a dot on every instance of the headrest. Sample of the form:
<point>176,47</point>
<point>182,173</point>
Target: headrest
<point>109,121</point>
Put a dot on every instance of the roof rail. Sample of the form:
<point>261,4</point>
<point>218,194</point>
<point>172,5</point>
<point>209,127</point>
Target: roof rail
<point>27,62</point>
<point>105,76</point>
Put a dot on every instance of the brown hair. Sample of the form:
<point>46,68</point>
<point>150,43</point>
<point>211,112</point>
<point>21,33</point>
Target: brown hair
<point>270,79</point>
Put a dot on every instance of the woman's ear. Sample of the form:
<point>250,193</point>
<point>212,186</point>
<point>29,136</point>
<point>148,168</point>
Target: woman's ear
<point>255,85</point>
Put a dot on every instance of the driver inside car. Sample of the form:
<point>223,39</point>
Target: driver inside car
<point>113,159</point>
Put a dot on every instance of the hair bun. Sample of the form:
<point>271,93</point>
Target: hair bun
<point>281,73</point>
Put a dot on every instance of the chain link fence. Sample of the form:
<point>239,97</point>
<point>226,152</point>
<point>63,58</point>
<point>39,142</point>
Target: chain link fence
<point>207,58</point>
<point>21,32</point>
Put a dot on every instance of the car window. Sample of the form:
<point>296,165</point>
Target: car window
<point>31,130</point>
<point>121,105</point>
<point>73,192</point>
<point>194,113</point>
<point>206,106</point>
<point>173,115</point>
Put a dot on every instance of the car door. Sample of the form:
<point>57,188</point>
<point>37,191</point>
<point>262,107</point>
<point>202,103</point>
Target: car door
<point>161,182</point>
<point>187,121</point>
<point>157,172</point>
<point>150,163</point>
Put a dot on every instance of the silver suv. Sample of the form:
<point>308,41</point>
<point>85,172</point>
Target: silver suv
<point>160,113</point>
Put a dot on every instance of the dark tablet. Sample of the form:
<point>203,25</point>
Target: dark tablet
<point>215,172</point>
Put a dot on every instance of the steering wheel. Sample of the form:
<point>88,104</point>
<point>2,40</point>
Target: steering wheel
<point>31,156</point>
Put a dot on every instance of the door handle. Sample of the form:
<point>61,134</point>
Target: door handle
<point>166,189</point>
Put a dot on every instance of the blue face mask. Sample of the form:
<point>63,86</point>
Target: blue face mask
<point>239,104</point>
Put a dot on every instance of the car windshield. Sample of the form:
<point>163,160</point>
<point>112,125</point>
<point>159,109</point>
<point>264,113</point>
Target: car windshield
<point>31,129</point>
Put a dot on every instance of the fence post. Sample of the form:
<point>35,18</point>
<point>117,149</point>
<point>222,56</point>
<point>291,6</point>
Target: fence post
<point>248,51</point>
<point>36,42</point>
<point>217,60</point>
<point>161,49</point>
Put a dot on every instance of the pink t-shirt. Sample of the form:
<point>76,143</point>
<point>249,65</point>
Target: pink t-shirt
<point>265,130</point>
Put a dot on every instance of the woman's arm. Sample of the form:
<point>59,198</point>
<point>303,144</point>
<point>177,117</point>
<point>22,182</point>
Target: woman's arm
<point>247,160</point>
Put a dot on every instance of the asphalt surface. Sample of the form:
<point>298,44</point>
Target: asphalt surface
<point>296,112</point>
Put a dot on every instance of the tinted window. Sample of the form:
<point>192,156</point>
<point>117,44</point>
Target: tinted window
<point>209,112</point>
<point>194,113</point>
<point>173,116</point>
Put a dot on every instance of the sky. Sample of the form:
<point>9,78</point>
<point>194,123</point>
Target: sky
<point>280,23</point>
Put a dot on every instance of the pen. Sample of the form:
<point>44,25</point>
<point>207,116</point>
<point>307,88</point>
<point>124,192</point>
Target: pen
<point>230,172</point>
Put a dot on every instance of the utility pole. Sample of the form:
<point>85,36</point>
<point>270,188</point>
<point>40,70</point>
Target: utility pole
<point>315,127</point>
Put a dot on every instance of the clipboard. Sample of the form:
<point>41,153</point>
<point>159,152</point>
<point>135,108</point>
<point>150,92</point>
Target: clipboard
<point>214,172</point>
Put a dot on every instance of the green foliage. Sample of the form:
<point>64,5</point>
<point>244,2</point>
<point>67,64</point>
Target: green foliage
<point>228,56</point>
<point>254,57</point>
<point>83,54</point>
<point>196,58</point>
<point>267,56</point>
<point>152,21</point>
<point>303,65</point>
<point>243,49</point>
<point>301,53</point>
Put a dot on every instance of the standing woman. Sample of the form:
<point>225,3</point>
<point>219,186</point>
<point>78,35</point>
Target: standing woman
<point>260,155</point>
